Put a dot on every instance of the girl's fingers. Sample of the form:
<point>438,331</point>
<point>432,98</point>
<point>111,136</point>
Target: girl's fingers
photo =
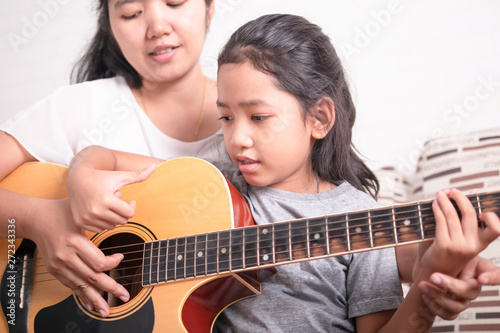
<point>492,230</point>
<point>469,223</point>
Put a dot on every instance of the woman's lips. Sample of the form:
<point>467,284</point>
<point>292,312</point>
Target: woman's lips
<point>163,54</point>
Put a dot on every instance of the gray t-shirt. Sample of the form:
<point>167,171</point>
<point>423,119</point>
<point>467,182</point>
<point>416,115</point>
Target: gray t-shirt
<point>324,295</point>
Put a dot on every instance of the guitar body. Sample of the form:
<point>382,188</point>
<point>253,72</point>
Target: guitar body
<point>185,196</point>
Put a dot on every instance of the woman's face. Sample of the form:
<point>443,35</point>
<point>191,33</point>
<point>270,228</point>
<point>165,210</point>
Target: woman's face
<point>161,39</point>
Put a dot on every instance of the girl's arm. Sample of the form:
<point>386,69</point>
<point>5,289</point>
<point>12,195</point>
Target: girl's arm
<point>67,253</point>
<point>456,244</point>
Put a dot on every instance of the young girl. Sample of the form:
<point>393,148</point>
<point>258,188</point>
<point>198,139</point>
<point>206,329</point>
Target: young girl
<point>287,117</point>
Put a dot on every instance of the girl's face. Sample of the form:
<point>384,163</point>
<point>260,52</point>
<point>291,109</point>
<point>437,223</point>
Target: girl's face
<point>265,131</point>
<point>161,39</point>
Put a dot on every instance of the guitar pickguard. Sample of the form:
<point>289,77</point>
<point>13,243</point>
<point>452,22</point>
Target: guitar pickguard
<point>66,316</point>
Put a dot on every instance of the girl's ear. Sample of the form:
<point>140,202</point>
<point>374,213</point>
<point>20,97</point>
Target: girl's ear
<point>322,118</point>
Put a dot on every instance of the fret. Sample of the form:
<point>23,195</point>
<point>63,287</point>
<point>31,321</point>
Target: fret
<point>337,234</point>
<point>146,267</point>
<point>308,240</point>
<point>282,239</point>
<point>370,234</point>
<point>171,248</point>
<point>211,253</point>
<point>348,237</point>
<point>236,252</point>
<point>382,227</point>
<point>317,237</point>
<point>154,262</point>
<point>224,256</point>
<point>396,239</point>
<point>428,222</point>
<point>200,255</point>
<point>407,223</point>
<point>258,246</point>
<point>251,241</point>
<point>290,244</point>
<point>190,257</point>
<point>273,243</point>
<point>479,208</point>
<point>358,231</point>
<point>299,241</point>
<point>421,225</point>
<point>327,239</point>
<point>265,244</point>
<point>180,258</point>
<point>162,263</point>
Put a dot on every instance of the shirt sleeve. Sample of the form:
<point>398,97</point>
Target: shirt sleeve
<point>373,282</point>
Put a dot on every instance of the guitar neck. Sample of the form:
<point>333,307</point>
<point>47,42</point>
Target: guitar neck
<point>286,242</point>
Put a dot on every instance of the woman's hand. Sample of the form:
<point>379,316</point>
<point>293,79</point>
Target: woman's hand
<point>95,197</point>
<point>447,296</point>
<point>73,259</point>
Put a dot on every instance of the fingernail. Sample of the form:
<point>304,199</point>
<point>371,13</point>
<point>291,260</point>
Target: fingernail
<point>440,194</point>
<point>424,289</point>
<point>103,313</point>
<point>89,307</point>
<point>436,280</point>
<point>124,299</point>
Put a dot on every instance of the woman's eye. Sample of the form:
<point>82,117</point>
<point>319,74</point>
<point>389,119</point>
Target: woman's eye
<point>259,118</point>
<point>225,118</point>
<point>175,4</point>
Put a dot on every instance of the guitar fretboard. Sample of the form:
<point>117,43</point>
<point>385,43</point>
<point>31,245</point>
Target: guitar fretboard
<point>280,243</point>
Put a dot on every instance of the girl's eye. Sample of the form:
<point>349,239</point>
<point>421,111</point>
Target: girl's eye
<point>259,118</point>
<point>176,4</point>
<point>225,118</point>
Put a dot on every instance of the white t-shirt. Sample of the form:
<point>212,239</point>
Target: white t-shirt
<point>101,112</point>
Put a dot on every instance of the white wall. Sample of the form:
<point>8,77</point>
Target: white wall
<point>418,68</point>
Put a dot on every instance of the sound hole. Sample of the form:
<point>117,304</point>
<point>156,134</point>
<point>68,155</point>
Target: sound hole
<point>128,272</point>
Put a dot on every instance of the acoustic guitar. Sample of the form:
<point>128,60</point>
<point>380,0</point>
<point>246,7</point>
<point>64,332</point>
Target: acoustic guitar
<point>190,250</point>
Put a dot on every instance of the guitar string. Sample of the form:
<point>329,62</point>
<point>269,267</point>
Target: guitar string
<point>329,229</point>
<point>285,251</point>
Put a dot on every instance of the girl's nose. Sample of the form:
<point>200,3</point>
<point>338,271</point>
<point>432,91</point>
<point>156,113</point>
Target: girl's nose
<point>241,136</point>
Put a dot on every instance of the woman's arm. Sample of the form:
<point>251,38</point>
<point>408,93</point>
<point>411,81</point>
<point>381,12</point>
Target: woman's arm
<point>66,251</point>
<point>94,181</point>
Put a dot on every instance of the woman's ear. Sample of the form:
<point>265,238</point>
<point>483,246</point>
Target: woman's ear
<point>322,118</point>
<point>210,13</point>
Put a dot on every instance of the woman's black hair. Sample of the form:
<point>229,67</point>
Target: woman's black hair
<point>305,64</point>
<point>103,58</point>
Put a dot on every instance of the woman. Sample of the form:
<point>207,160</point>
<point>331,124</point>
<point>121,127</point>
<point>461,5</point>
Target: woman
<point>141,89</point>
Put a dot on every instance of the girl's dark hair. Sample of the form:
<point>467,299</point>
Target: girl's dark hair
<point>305,64</point>
<point>103,58</point>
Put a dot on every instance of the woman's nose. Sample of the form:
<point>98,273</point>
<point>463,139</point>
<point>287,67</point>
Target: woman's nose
<point>159,23</point>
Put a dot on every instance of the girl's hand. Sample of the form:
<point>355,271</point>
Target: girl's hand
<point>457,242</point>
<point>95,197</point>
<point>73,259</point>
